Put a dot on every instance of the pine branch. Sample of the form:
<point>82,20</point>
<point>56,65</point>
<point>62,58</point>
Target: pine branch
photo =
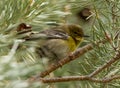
<point>79,78</point>
<point>107,64</point>
<point>79,52</point>
<point>86,77</point>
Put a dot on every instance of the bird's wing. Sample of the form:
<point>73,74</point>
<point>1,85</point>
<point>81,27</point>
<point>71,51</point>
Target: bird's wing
<point>48,34</point>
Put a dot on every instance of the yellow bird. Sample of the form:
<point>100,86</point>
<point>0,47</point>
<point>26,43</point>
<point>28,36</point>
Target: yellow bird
<point>57,42</point>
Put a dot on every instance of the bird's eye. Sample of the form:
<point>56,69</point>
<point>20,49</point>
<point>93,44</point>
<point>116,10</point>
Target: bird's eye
<point>75,32</point>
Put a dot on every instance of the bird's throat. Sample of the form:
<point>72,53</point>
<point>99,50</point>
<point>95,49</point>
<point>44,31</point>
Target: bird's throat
<point>77,41</point>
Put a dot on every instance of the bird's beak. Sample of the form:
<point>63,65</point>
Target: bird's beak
<point>86,36</point>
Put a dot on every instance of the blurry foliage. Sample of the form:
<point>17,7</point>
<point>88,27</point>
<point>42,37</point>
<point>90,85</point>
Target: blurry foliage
<point>42,14</point>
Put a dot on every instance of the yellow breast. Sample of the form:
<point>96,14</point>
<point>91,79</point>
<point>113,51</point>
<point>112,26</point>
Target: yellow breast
<point>71,43</point>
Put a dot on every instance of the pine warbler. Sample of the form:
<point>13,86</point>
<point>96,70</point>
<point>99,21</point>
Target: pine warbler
<point>58,42</point>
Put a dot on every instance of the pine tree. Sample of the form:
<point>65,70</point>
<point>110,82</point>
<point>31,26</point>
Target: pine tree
<point>97,63</point>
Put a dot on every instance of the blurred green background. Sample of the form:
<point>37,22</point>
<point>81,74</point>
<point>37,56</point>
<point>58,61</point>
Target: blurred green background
<point>18,64</point>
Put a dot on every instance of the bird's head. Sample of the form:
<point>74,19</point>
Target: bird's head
<point>75,31</point>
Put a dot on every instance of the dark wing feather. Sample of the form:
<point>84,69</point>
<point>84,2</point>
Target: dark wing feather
<point>48,34</point>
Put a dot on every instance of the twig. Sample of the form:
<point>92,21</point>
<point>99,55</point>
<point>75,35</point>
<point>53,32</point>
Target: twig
<point>107,64</point>
<point>64,79</point>
<point>79,78</point>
